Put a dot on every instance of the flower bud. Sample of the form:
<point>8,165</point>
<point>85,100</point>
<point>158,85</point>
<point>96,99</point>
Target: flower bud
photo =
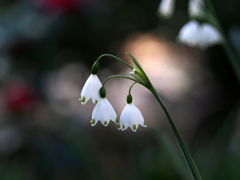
<point>138,72</point>
<point>129,99</point>
<point>102,92</point>
<point>137,75</point>
<point>95,67</point>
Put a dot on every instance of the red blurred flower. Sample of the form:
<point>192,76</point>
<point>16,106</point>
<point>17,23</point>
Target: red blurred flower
<point>19,96</point>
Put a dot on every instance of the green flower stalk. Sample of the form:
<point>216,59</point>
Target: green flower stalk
<point>187,156</point>
<point>131,115</point>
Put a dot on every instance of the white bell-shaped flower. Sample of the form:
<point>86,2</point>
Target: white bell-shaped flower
<point>91,89</point>
<point>131,117</point>
<point>201,35</point>
<point>104,112</point>
<point>165,8</point>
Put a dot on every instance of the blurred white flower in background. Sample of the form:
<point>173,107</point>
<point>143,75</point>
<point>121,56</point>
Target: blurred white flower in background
<point>196,8</point>
<point>165,8</point>
<point>199,35</point>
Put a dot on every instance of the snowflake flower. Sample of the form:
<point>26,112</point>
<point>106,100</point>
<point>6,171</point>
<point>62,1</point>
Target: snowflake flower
<point>131,117</point>
<point>91,89</point>
<point>104,112</point>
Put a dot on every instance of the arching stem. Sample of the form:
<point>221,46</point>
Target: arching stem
<point>120,76</point>
<point>129,92</point>
<point>186,154</point>
<point>119,59</point>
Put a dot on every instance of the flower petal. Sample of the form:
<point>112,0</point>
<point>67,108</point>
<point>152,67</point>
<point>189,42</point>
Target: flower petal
<point>131,117</point>
<point>104,112</point>
<point>124,118</point>
<point>90,89</point>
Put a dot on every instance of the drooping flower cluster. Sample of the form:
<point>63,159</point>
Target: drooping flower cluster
<point>131,116</point>
<point>103,110</point>
<point>198,32</point>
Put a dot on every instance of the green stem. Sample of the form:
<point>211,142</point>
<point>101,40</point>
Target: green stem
<point>120,76</point>
<point>129,92</point>
<point>187,156</point>
<point>115,58</point>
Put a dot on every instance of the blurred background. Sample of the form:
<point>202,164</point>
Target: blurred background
<point>47,48</point>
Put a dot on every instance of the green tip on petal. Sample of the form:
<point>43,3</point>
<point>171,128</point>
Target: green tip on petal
<point>96,101</point>
<point>117,121</point>
<point>123,127</point>
<point>93,122</point>
<point>144,124</point>
<point>83,99</point>
<point>80,99</point>
<point>134,127</point>
<point>105,123</point>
